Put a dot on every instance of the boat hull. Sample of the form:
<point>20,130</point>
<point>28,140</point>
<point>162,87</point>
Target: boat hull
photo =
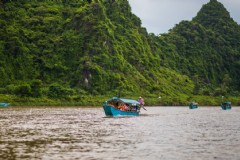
<point>193,107</point>
<point>114,112</point>
<point>226,108</point>
<point>3,104</point>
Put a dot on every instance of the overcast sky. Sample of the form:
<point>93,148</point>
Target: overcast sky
<point>158,16</point>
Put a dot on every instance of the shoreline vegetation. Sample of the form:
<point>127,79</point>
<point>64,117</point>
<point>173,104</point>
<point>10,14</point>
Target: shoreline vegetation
<point>96,101</point>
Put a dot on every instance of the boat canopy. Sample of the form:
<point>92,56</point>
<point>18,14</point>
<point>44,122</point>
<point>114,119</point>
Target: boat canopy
<point>226,103</point>
<point>131,101</point>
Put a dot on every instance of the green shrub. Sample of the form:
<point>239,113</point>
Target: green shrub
<point>23,90</point>
<point>36,88</point>
<point>57,91</point>
<point>11,89</point>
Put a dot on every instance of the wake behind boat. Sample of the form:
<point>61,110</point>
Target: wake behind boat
<point>121,107</point>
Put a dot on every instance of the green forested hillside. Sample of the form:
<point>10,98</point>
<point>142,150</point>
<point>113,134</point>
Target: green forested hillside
<point>206,49</point>
<point>72,50</point>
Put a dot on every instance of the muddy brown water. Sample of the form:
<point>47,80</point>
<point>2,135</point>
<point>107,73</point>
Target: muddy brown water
<point>166,133</point>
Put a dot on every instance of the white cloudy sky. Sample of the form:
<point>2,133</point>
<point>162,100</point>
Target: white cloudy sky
<point>158,16</point>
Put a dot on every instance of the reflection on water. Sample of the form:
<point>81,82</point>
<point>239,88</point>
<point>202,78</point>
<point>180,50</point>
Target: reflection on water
<point>159,133</point>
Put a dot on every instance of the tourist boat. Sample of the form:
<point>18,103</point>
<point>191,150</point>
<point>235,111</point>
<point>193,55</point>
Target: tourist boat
<point>226,105</point>
<point>121,107</point>
<point>193,105</point>
<point>4,104</point>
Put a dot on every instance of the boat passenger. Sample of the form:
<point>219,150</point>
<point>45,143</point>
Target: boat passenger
<point>133,107</point>
<point>123,107</point>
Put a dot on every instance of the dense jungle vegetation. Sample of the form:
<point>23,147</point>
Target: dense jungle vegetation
<point>80,52</point>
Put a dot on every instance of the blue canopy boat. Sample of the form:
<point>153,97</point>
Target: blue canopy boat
<point>226,105</point>
<point>193,105</point>
<point>121,107</point>
<point>4,104</point>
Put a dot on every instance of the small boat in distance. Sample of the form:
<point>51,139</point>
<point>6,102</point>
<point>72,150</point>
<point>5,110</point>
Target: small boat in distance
<point>4,104</point>
<point>121,107</point>
<point>193,105</point>
<point>226,105</point>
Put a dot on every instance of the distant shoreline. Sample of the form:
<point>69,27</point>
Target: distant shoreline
<point>89,106</point>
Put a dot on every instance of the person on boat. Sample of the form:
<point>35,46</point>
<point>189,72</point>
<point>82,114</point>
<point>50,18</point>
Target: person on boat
<point>123,107</point>
<point>141,101</point>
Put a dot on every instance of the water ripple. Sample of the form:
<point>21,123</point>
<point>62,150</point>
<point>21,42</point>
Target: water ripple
<point>167,133</point>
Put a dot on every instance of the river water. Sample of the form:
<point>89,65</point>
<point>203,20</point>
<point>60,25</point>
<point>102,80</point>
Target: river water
<point>166,133</point>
